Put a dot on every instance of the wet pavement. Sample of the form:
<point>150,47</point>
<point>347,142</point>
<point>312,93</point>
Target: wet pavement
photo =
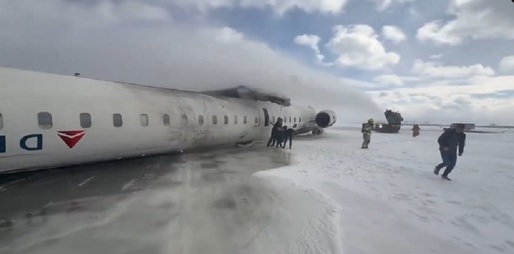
<point>205,202</point>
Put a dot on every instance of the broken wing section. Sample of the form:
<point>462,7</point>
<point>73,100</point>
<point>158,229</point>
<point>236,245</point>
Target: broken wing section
<point>244,92</point>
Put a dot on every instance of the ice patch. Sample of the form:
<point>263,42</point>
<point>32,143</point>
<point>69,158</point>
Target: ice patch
<point>58,226</point>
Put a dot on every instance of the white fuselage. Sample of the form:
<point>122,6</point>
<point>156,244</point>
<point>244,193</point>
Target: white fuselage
<point>49,120</point>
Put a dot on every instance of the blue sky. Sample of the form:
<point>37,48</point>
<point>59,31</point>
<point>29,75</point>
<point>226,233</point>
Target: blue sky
<point>438,60</point>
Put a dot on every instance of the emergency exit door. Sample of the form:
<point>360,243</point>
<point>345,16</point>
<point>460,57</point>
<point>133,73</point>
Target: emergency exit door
<point>266,116</point>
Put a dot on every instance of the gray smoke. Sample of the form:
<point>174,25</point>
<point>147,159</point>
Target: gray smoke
<point>138,45</point>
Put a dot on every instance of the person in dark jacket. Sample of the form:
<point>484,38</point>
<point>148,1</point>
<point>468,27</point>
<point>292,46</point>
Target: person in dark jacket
<point>274,132</point>
<point>450,141</point>
<point>288,136</point>
<point>280,136</point>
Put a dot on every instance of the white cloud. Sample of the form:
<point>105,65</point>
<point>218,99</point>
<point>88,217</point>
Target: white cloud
<point>389,79</point>
<point>136,41</point>
<point>393,33</point>
<point>438,70</point>
<point>480,100</point>
<point>437,33</point>
<point>279,6</point>
<point>133,10</point>
<point>383,5</point>
<point>360,84</point>
<point>507,64</point>
<point>167,55</point>
<point>358,46</point>
<point>227,35</point>
<point>307,40</point>
<point>87,16</point>
<point>436,56</point>
<point>311,41</point>
<point>445,93</point>
<point>474,19</point>
<point>480,85</point>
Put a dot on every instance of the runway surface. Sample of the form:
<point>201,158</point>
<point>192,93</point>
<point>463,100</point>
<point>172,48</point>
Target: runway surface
<point>192,203</point>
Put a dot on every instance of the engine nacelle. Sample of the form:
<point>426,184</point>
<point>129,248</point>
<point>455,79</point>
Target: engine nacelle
<point>325,118</point>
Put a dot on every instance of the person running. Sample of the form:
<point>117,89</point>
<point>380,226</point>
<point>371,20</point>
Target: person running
<point>415,130</point>
<point>449,141</point>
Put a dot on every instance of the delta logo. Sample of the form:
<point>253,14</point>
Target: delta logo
<point>71,138</point>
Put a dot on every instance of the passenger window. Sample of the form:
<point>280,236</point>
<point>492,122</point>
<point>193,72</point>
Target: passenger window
<point>117,120</point>
<point>1,121</point>
<point>166,120</point>
<point>144,120</point>
<point>44,120</point>
<point>200,120</point>
<point>256,120</point>
<point>184,119</point>
<point>294,119</point>
<point>285,119</point>
<point>225,119</point>
<point>214,120</point>
<point>85,120</point>
<point>299,119</point>
<point>235,119</point>
<point>244,120</point>
<point>289,120</point>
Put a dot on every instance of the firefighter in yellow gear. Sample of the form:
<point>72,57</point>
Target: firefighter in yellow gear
<point>366,133</point>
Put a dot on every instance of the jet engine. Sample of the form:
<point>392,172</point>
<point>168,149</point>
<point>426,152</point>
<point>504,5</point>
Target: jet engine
<point>325,118</point>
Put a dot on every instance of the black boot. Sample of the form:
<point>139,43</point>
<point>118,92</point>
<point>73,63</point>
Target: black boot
<point>436,170</point>
<point>445,177</point>
<point>447,171</point>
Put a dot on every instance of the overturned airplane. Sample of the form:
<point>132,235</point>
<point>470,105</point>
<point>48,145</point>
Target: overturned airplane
<point>49,120</point>
<point>393,125</point>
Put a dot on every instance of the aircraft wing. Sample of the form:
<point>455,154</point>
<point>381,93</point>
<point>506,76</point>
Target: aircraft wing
<point>244,92</point>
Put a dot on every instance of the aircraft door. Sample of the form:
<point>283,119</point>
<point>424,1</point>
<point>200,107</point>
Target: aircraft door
<point>182,129</point>
<point>266,117</point>
<point>189,122</point>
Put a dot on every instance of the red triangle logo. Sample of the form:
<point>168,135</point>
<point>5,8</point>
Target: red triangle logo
<point>71,138</point>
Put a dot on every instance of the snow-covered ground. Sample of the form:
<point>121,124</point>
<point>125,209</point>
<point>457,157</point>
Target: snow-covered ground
<point>333,198</point>
<point>389,201</point>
